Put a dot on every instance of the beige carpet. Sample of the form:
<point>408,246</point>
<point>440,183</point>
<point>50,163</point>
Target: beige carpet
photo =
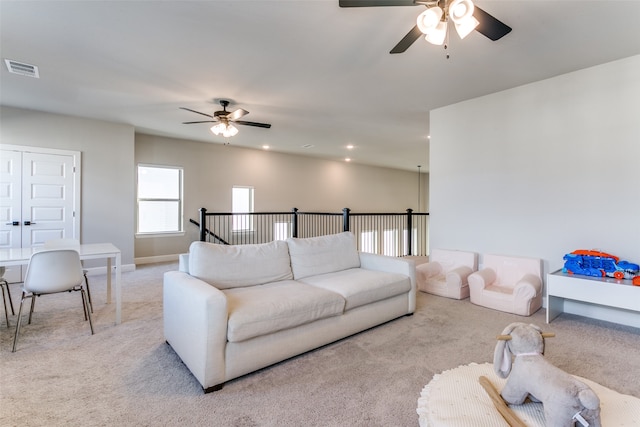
<point>127,375</point>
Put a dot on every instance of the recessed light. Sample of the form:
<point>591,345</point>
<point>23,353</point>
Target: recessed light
<point>265,147</point>
<point>347,159</point>
<point>350,147</point>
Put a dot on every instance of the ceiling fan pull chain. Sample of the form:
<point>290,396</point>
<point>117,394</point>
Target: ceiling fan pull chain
<point>446,44</point>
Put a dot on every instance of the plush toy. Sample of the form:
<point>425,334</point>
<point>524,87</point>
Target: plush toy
<point>519,356</point>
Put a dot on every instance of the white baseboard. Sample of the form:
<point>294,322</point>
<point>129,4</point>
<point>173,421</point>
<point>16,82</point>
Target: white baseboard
<point>156,259</point>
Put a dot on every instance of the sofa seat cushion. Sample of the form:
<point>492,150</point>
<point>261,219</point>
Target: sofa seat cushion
<point>439,281</point>
<point>232,266</point>
<point>360,287</point>
<point>502,292</point>
<point>323,254</point>
<point>263,309</point>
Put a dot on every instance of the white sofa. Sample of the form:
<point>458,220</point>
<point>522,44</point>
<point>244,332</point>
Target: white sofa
<point>446,273</point>
<point>231,310</point>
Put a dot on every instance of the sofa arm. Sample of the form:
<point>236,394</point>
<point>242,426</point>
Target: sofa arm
<point>392,264</point>
<point>458,276</point>
<point>481,279</point>
<point>529,286</point>
<point>183,263</point>
<point>195,325</point>
<point>526,295</point>
<point>429,269</point>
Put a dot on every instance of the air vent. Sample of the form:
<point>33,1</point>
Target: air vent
<point>21,68</point>
<point>308,146</point>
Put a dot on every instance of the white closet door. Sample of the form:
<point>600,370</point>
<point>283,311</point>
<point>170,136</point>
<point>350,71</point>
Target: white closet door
<point>47,198</point>
<point>10,199</point>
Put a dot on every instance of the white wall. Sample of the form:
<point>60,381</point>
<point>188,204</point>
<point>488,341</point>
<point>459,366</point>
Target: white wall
<point>107,168</point>
<point>542,169</point>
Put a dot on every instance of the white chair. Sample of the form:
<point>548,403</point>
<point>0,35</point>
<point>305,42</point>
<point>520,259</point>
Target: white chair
<point>446,273</point>
<point>70,244</point>
<point>49,272</point>
<point>507,283</point>
<point>4,284</point>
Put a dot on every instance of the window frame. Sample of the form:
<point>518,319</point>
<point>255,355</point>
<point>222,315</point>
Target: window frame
<point>180,200</point>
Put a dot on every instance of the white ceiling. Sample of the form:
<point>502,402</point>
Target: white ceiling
<point>320,74</point>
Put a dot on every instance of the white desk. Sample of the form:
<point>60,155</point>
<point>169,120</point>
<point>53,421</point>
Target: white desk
<point>21,256</point>
<point>601,298</point>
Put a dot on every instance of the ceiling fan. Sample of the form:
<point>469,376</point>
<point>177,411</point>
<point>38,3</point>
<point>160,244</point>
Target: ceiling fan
<point>433,22</point>
<point>225,120</point>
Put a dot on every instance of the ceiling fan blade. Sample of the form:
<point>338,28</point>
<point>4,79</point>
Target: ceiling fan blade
<point>369,3</point>
<point>197,112</point>
<point>204,121</point>
<point>258,125</point>
<point>407,40</point>
<point>237,114</point>
<point>489,26</point>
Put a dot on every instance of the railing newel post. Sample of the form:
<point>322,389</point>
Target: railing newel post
<point>294,232</point>
<point>203,218</point>
<point>409,230</point>
<point>345,219</point>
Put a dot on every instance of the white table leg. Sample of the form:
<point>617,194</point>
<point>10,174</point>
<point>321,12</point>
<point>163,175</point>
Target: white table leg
<point>118,289</point>
<point>108,280</point>
<point>555,307</point>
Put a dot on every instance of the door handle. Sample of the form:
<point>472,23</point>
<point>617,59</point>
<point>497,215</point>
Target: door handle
<point>14,223</point>
<point>29,223</point>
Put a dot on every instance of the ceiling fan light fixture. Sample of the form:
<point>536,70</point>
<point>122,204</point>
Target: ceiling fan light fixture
<point>225,129</point>
<point>461,10</point>
<point>467,26</point>
<point>429,19</point>
<point>231,131</point>
<point>437,35</point>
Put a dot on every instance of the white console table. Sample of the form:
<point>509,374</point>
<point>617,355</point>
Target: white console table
<point>602,298</point>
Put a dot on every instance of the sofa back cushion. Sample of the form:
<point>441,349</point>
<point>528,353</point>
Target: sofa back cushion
<point>324,254</point>
<point>451,259</point>
<point>511,269</point>
<point>234,266</point>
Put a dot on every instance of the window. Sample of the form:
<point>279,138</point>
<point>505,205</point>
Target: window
<point>390,242</point>
<point>241,203</point>
<point>281,231</point>
<point>159,199</point>
<point>368,241</point>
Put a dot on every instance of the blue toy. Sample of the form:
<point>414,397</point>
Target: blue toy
<point>598,264</point>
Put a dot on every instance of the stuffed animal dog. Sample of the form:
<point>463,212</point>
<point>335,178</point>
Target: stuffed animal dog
<point>566,401</point>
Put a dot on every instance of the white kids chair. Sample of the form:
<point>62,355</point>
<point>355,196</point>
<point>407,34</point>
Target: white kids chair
<point>508,283</point>
<point>446,273</point>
